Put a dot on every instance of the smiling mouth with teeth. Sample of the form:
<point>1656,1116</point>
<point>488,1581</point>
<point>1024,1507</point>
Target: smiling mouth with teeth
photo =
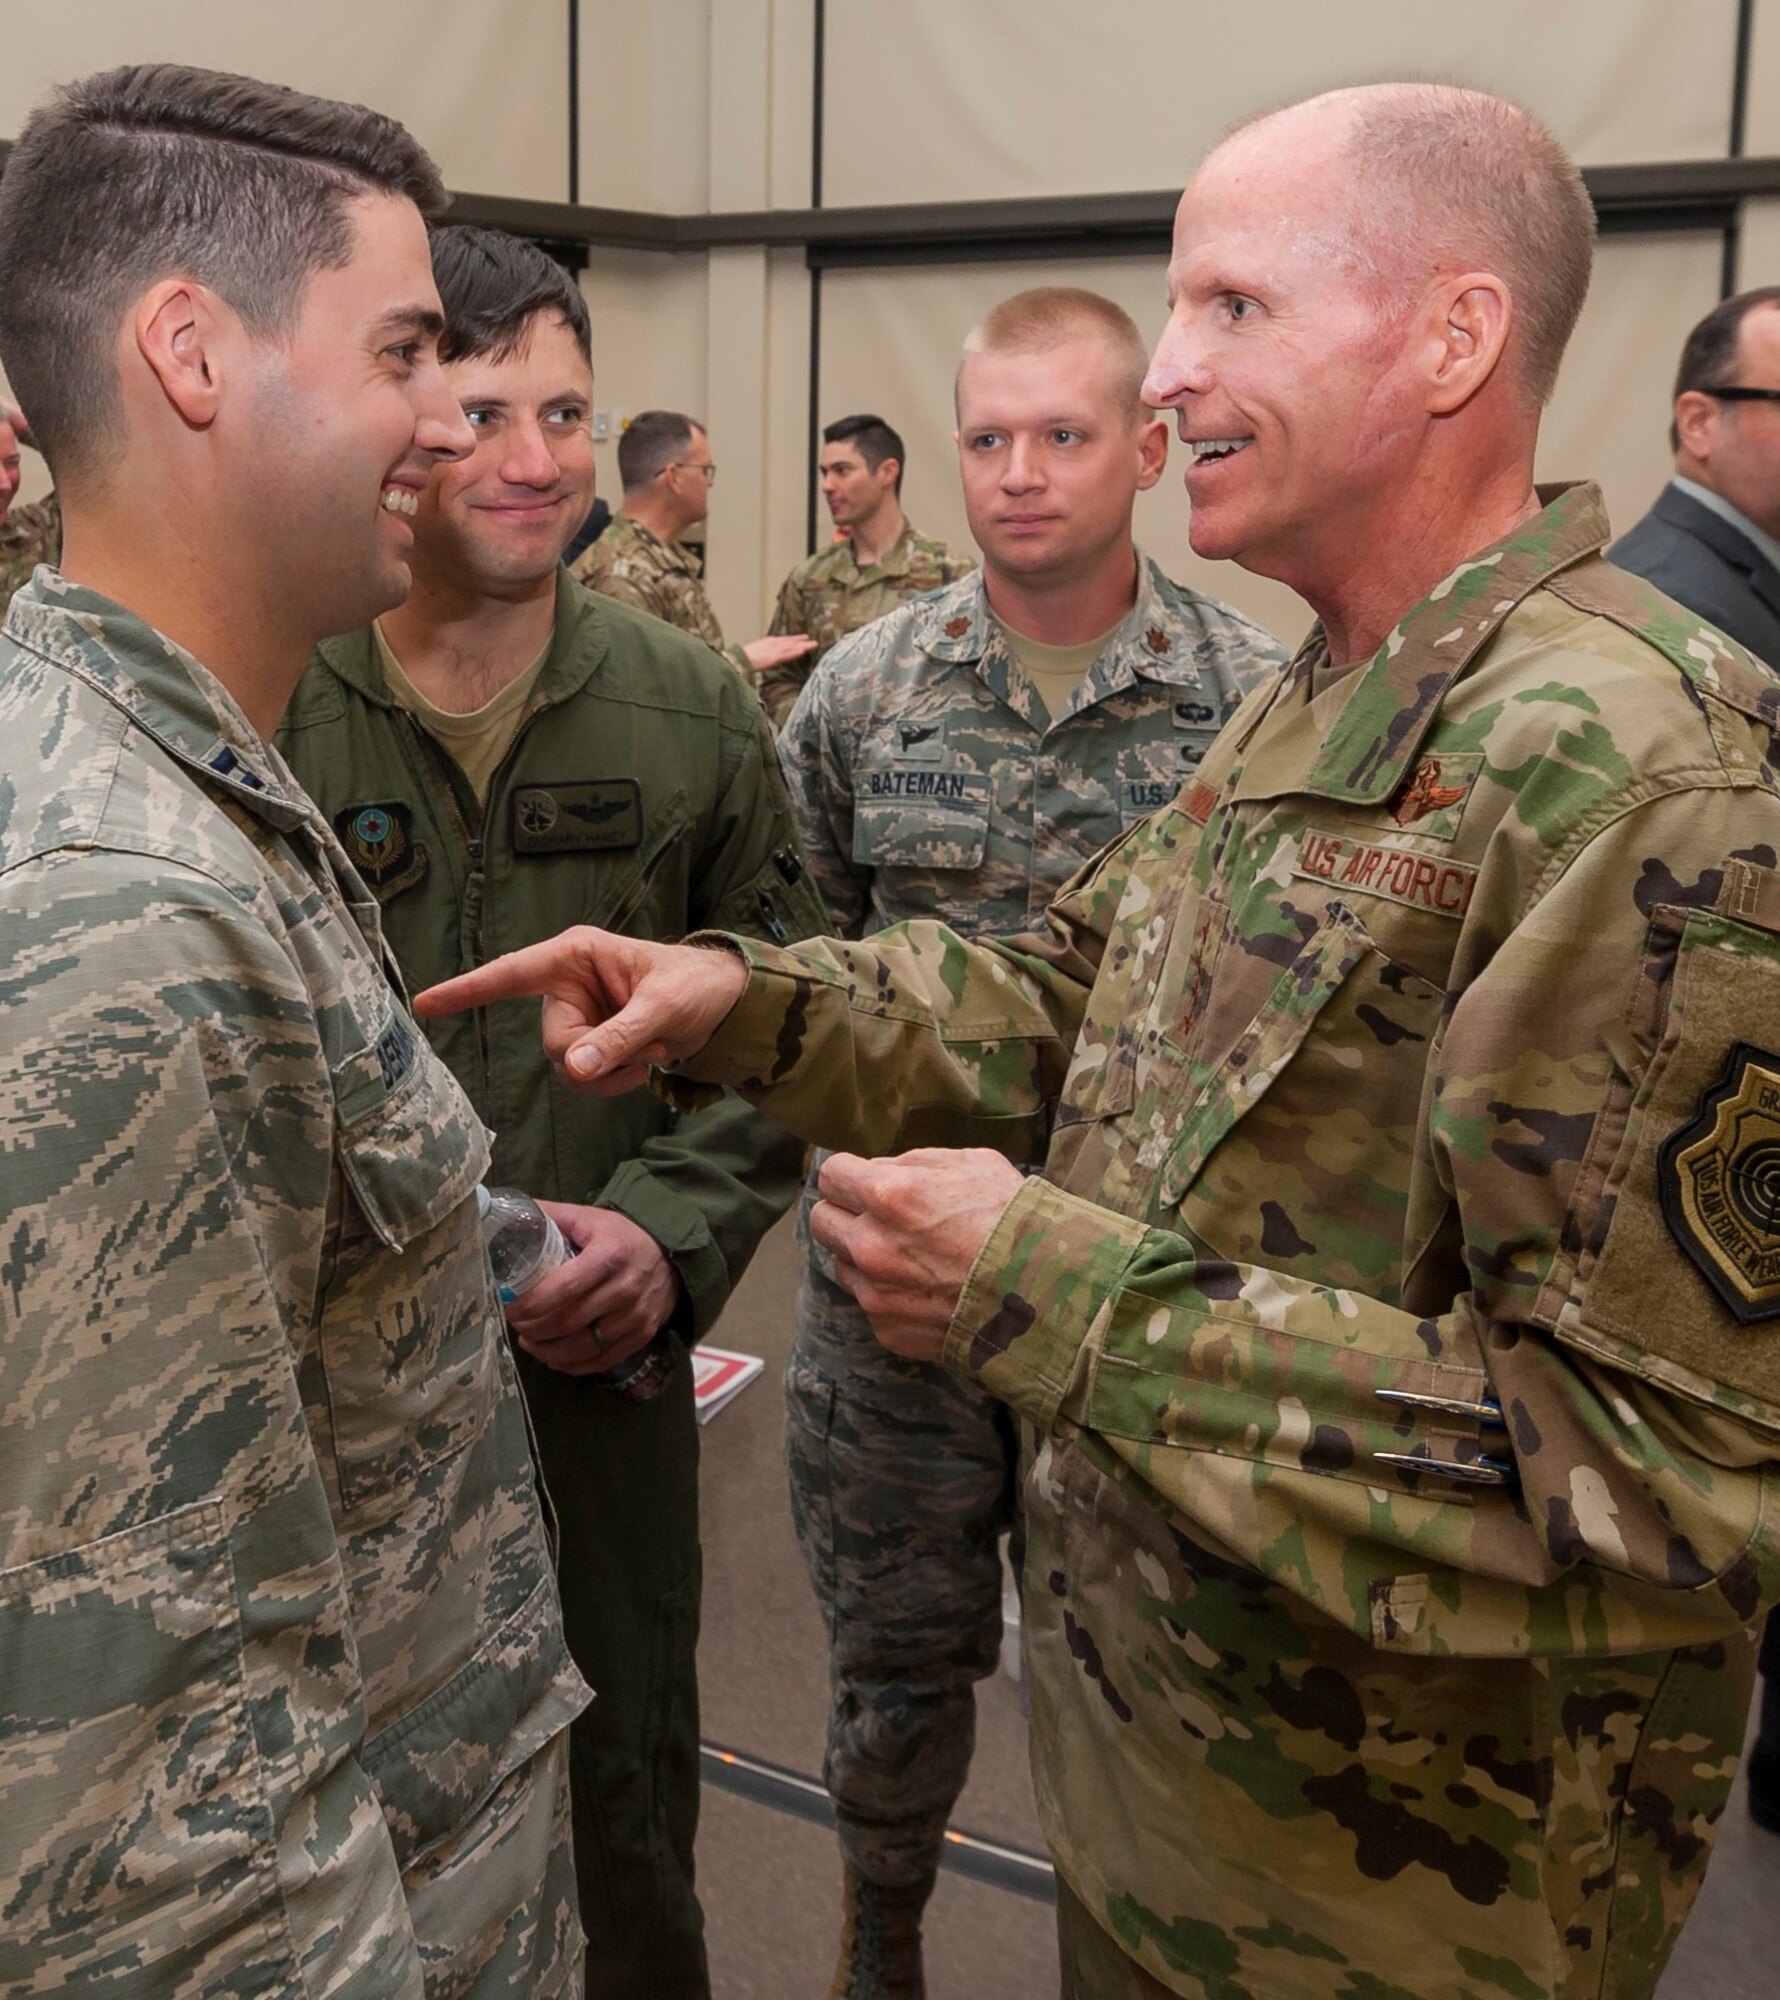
<point>398,500</point>
<point>1207,450</point>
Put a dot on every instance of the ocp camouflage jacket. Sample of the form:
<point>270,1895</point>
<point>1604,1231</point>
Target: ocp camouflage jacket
<point>1398,1304</point>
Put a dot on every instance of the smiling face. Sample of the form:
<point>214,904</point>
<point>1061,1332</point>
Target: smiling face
<point>498,520</point>
<point>345,422</point>
<point>1052,456</point>
<point>1285,366</point>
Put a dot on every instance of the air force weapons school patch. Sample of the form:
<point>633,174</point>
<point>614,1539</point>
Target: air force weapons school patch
<point>1719,1182</point>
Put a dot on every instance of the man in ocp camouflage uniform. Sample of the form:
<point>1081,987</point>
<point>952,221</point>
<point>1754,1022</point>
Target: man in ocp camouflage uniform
<point>664,459</point>
<point>961,758</point>
<point>29,534</point>
<point>1396,1309</point>
<point>285,1700</point>
<point>879,563</point>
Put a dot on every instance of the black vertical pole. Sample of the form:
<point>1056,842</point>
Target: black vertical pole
<point>1727,277</point>
<point>574,100</point>
<point>818,39</point>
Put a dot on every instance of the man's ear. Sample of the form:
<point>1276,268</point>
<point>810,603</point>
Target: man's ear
<point>1697,417</point>
<point>1472,316</point>
<point>1152,450</point>
<point>889,472</point>
<point>179,329</point>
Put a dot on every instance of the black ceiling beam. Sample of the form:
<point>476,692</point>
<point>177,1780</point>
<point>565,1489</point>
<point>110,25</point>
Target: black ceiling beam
<point>1680,194</point>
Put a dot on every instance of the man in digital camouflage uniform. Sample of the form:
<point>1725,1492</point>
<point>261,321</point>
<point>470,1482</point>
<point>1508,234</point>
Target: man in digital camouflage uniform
<point>879,563</point>
<point>286,1698</point>
<point>29,534</point>
<point>664,459</point>
<point>961,758</point>
<point>1396,1308</point>
<point>502,755</point>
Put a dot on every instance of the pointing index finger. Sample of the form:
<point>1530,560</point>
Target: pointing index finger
<point>537,969</point>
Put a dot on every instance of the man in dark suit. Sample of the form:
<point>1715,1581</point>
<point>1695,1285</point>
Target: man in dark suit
<point>1712,542</point>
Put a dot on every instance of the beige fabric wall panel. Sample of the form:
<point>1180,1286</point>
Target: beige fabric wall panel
<point>645,77</point>
<point>650,345</point>
<point>1758,247</point>
<point>890,342</point>
<point>482,83</point>
<point>1035,97</point>
<point>1609,420</point>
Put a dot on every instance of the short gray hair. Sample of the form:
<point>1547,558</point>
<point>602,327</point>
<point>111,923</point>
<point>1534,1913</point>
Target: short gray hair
<point>1457,179</point>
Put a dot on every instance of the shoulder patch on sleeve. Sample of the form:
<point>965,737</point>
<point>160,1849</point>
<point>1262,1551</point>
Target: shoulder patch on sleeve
<point>1718,1178</point>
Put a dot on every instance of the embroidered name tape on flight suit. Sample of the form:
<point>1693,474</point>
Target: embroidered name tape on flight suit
<point>583,818</point>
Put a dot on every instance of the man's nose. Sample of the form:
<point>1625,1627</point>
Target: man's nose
<point>528,459</point>
<point>1176,368</point>
<point>440,426</point>
<point>1021,472</point>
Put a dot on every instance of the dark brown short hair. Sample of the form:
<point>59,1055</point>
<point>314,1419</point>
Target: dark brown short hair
<point>157,170</point>
<point>1709,354</point>
<point>493,286</point>
<point>872,438</point>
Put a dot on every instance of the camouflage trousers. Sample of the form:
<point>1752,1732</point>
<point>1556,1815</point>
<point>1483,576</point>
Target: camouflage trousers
<point>902,1483</point>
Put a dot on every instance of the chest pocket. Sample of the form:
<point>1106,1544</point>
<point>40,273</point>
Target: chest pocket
<point>1267,1091</point>
<point>408,1341</point>
<point>919,817</point>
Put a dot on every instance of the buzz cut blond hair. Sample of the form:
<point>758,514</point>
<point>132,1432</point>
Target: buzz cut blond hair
<point>1049,315</point>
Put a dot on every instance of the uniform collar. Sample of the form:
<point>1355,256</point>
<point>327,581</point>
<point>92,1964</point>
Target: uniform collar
<point>896,560</point>
<point>1153,642</point>
<point>167,693</point>
<point>673,555</point>
<point>578,649</point>
<point>1395,697</point>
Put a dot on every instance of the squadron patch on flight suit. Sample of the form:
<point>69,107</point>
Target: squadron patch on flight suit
<point>379,841</point>
<point>1718,1178</point>
<point>591,816</point>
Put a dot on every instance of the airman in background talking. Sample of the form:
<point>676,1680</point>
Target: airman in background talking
<point>878,562</point>
<point>664,460</point>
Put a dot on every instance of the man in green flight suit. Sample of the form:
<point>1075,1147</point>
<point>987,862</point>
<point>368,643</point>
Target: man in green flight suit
<point>502,755</point>
<point>1395,1311</point>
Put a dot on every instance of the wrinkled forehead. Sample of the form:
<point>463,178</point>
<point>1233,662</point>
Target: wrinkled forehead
<point>1281,215</point>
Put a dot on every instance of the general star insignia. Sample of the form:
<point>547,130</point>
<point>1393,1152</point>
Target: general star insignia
<point>1718,1178</point>
<point>1425,794</point>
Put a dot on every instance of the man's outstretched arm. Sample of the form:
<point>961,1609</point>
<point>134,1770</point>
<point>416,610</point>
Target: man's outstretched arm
<point>916,1036</point>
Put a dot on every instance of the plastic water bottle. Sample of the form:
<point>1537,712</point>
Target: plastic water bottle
<point>523,1246</point>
